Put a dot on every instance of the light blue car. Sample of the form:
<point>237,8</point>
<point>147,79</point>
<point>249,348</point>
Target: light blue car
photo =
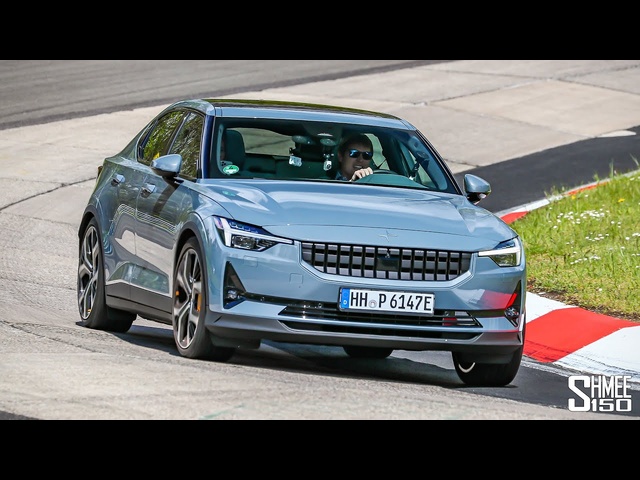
<point>237,221</point>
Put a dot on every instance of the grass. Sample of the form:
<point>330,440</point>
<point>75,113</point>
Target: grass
<point>584,249</point>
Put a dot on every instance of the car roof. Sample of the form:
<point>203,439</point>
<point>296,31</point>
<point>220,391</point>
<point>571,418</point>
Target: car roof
<point>254,108</point>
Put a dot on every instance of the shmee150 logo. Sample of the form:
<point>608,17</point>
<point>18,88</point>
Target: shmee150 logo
<point>599,393</point>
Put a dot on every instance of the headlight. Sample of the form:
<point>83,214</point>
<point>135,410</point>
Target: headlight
<point>246,237</point>
<point>505,254</point>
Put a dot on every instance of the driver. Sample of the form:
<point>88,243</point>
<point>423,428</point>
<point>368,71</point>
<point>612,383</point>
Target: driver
<point>355,154</point>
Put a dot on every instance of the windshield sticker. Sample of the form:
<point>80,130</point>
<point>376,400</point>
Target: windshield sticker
<point>230,169</point>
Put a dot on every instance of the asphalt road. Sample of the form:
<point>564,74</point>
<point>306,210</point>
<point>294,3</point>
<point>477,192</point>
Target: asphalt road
<point>526,179</point>
<point>42,91</point>
<point>38,300</point>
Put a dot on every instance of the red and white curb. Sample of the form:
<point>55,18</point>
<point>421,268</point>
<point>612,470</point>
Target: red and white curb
<point>575,338</point>
<point>581,340</point>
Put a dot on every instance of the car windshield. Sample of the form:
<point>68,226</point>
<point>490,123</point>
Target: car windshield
<point>304,150</point>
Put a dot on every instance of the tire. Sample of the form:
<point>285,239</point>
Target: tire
<point>367,352</point>
<point>489,374</point>
<point>189,308</point>
<point>92,306</point>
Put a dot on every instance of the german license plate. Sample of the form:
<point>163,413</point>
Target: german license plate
<point>386,301</point>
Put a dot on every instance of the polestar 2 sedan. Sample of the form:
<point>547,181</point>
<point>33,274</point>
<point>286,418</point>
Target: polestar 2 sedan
<point>243,221</point>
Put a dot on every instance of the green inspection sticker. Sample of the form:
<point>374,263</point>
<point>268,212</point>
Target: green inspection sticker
<point>230,169</point>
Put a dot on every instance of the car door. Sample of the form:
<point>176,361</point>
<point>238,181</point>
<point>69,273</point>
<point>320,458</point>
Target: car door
<point>118,200</point>
<point>162,206</point>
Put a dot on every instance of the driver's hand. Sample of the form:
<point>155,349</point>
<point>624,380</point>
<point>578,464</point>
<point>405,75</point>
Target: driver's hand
<point>363,172</point>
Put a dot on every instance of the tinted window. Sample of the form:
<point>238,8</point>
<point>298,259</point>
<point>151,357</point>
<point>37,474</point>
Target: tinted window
<point>188,143</point>
<point>159,140</point>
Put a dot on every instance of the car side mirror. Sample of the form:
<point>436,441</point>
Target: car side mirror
<point>167,166</point>
<point>476,188</point>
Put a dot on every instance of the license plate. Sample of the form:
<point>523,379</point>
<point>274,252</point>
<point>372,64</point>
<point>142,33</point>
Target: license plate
<point>386,301</point>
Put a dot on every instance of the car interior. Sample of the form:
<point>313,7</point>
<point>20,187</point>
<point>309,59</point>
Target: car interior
<point>262,152</point>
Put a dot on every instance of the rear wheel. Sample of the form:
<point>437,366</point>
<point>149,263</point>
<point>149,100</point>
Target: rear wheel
<point>367,352</point>
<point>189,307</point>
<point>94,312</point>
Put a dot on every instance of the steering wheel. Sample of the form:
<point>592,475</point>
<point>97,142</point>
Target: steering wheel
<point>377,172</point>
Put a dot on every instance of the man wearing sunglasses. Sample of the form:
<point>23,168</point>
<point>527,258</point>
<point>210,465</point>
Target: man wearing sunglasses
<point>355,154</point>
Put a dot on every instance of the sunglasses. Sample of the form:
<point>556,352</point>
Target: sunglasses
<point>354,153</point>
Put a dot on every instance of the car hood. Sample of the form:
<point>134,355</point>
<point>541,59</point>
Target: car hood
<point>363,214</point>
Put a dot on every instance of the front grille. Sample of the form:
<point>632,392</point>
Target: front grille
<point>387,332</point>
<point>313,316</point>
<point>328,318</point>
<point>386,263</point>
<point>330,311</point>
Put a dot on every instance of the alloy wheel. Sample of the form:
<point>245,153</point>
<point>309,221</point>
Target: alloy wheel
<point>88,272</point>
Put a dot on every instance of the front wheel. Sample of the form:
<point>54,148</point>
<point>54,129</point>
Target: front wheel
<point>489,374</point>
<point>189,307</point>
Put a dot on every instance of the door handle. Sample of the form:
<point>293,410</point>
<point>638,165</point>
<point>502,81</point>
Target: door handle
<point>117,179</point>
<point>148,189</point>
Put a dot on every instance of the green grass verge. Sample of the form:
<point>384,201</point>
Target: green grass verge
<point>584,249</point>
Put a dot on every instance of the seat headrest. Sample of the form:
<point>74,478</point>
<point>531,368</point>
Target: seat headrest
<point>234,146</point>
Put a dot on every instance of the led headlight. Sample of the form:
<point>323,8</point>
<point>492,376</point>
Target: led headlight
<point>505,254</point>
<point>246,237</point>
